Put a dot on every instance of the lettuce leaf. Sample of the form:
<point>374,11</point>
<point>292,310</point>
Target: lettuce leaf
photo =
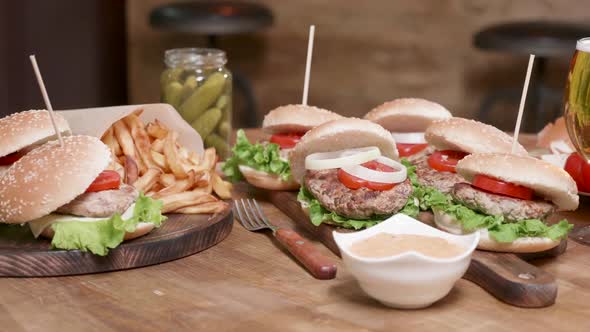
<point>500,230</point>
<point>100,236</point>
<point>319,214</point>
<point>261,157</point>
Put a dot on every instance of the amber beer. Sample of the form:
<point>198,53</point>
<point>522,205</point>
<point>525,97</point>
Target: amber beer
<point>577,98</point>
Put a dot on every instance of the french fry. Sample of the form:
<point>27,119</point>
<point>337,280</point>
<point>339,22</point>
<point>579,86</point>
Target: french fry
<point>156,130</point>
<point>187,198</point>
<point>167,180</point>
<point>131,170</point>
<point>172,156</point>
<point>204,184</point>
<point>209,158</point>
<point>140,138</point>
<point>118,168</point>
<point>178,186</point>
<point>221,188</point>
<point>194,158</point>
<point>160,161</point>
<point>109,139</point>
<point>158,145</point>
<point>147,180</point>
<point>210,207</point>
<point>126,142</point>
<point>156,187</point>
<point>138,112</point>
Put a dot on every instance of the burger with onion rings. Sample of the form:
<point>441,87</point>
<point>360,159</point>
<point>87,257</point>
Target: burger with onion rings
<point>349,174</point>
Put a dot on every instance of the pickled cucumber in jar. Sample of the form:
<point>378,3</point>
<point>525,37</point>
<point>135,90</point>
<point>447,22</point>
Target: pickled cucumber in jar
<point>199,86</point>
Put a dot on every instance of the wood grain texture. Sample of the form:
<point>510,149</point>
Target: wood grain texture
<point>21,255</point>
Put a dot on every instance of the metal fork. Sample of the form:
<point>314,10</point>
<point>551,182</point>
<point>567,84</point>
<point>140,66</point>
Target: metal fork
<point>252,218</point>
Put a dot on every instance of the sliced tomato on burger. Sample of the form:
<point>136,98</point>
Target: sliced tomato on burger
<point>11,158</point>
<point>353,182</point>
<point>105,181</point>
<point>445,160</point>
<point>406,149</point>
<point>579,170</point>
<point>286,141</point>
<point>500,187</point>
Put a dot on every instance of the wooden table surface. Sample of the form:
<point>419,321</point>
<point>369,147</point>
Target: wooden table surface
<point>248,283</point>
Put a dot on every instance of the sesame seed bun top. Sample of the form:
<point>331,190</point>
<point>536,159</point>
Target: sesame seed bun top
<point>296,119</point>
<point>405,115</point>
<point>50,176</point>
<point>470,136</point>
<point>20,130</point>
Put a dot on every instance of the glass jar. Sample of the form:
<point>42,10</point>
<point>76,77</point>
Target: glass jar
<point>197,83</point>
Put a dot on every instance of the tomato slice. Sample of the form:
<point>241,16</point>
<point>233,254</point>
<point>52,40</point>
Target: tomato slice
<point>500,187</point>
<point>353,182</point>
<point>445,160</point>
<point>105,181</point>
<point>286,141</point>
<point>406,149</point>
<point>579,170</point>
<point>11,158</point>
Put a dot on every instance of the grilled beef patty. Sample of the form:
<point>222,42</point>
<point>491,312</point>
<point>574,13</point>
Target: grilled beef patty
<point>513,209</point>
<point>101,203</point>
<point>361,203</point>
<point>443,181</point>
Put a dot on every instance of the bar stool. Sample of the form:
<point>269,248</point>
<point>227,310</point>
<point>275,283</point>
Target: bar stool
<point>214,19</point>
<point>546,40</point>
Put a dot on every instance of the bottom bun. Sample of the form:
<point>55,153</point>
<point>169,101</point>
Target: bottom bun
<point>142,229</point>
<point>486,242</point>
<point>267,181</point>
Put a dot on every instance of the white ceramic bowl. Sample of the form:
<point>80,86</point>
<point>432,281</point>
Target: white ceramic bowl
<point>410,280</point>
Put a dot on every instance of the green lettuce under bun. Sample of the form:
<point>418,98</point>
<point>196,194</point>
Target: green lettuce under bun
<point>427,198</point>
<point>261,157</point>
<point>98,236</point>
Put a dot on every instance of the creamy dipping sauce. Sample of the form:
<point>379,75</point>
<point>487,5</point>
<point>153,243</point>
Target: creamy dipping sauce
<point>385,244</point>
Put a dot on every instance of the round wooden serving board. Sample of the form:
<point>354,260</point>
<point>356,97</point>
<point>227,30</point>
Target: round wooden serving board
<point>21,255</point>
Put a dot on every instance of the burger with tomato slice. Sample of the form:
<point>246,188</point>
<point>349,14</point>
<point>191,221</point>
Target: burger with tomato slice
<point>407,119</point>
<point>24,131</point>
<point>65,193</point>
<point>266,164</point>
<point>507,198</point>
<point>454,139</point>
<point>349,174</point>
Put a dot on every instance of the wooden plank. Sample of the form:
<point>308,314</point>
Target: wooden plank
<point>505,276</point>
<point>21,255</point>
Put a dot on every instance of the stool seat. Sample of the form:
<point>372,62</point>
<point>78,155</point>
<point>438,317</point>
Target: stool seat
<point>542,38</point>
<point>211,17</point>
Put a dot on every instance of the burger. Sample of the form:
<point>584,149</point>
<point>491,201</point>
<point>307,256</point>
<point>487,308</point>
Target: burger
<point>453,139</point>
<point>66,194</point>
<point>24,131</point>
<point>507,198</point>
<point>407,119</point>
<point>266,164</point>
<point>349,174</point>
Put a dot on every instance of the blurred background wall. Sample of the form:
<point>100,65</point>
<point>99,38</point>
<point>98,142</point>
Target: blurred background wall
<point>104,52</point>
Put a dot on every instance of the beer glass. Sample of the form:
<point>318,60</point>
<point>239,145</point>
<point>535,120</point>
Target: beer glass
<point>577,98</point>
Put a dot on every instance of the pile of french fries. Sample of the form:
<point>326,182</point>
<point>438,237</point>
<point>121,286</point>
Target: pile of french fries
<point>150,158</point>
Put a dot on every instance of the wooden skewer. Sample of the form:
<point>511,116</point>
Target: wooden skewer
<point>308,64</point>
<point>525,89</point>
<point>46,98</point>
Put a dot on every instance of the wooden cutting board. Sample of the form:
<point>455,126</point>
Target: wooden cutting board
<point>21,255</point>
<point>508,277</point>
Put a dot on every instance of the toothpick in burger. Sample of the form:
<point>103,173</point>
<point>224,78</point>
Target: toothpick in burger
<point>507,198</point>
<point>266,164</point>
<point>65,193</point>
<point>349,174</point>
<point>407,119</point>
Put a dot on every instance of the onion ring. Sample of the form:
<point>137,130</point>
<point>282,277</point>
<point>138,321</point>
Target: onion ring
<point>368,174</point>
<point>338,159</point>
